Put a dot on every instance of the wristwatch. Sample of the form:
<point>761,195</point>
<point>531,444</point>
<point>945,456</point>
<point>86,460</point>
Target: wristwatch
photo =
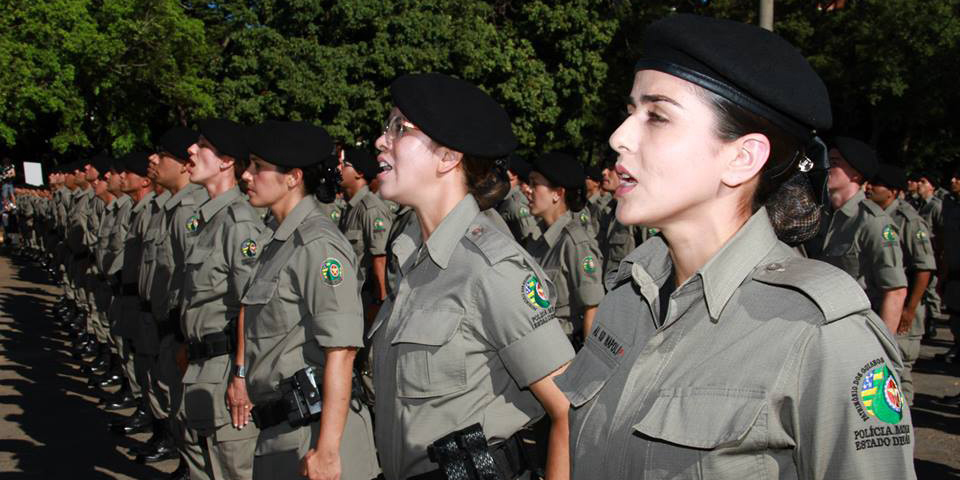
<point>240,371</point>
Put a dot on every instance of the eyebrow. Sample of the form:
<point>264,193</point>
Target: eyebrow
<point>651,99</point>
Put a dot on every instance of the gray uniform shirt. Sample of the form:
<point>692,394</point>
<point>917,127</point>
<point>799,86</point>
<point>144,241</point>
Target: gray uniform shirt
<point>862,240</point>
<point>470,328</point>
<point>152,229</point>
<point>571,258</point>
<point>303,297</point>
<point>116,240</point>
<point>515,210</point>
<point>766,365</point>
<point>615,240</point>
<point>366,224</point>
<point>181,222</point>
<point>218,266</point>
<point>915,243</point>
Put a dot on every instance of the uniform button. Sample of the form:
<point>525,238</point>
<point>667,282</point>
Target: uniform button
<point>775,267</point>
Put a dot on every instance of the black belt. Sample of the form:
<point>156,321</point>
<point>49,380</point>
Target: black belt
<point>212,345</point>
<point>170,328</point>
<point>509,459</point>
<point>129,289</point>
<point>146,306</point>
<point>271,414</point>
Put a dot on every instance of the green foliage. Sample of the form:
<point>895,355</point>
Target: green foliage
<point>86,75</point>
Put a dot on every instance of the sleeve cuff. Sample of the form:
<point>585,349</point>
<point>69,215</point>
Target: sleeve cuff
<point>537,354</point>
<point>338,330</point>
<point>591,294</point>
<point>890,278</point>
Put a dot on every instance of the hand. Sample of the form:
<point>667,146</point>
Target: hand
<point>906,321</point>
<point>182,360</point>
<point>320,465</point>
<point>239,402</point>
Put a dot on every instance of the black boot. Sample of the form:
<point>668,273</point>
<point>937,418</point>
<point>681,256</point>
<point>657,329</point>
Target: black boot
<point>122,399</point>
<point>159,434</point>
<point>163,449</point>
<point>137,422</point>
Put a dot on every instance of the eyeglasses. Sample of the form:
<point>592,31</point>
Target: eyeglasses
<point>395,128</point>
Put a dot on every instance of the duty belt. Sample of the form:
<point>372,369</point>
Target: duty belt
<point>213,344</point>
<point>300,402</point>
<point>169,327</point>
<point>465,455</point>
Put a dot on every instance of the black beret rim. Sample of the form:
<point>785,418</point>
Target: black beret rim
<point>729,92</point>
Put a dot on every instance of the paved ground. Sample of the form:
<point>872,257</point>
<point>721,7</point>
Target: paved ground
<point>51,427</point>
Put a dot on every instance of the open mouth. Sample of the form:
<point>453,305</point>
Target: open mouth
<point>626,180</point>
<point>384,166</point>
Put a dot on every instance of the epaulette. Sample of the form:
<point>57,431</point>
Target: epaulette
<point>578,232</point>
<point>313,228</point>
<point>242,212</point>
<point>834,292</point>
<point>495,245</point>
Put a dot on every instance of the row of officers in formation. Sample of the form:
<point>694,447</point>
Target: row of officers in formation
<point>276,307</point>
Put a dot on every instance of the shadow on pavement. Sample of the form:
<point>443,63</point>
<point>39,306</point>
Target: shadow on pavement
<point>931,471</point>
<point>59,412</point>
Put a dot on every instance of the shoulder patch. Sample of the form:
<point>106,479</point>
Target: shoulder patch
<point>921,234</point>
<point>589,264</point>
<point>890,233</point>
<point>248,248</point>
<point>193,223</point>
<point>335,215</point>
<point>379,225</point>
<point>524,212</point>
<point>878,393</point>
<point>834,292</point>
<point>332,271</point>
<point>584,217</point>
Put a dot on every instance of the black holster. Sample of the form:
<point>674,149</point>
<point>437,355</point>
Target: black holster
<point>299,404</point>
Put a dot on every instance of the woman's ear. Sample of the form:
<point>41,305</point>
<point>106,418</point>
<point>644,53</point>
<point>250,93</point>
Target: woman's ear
<point>294,178</point>
<point>449,160</point>
<point>745,158</point>
<point>226,162</point>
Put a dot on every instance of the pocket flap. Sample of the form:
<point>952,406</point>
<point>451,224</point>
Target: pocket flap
<point>432,327</point>
<point>260,291</point>
<point>198,255</point>
<point>702,417</point>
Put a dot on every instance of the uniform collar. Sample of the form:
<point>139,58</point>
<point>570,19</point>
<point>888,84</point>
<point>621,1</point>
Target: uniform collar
<point>650,264</point>
<point>296,217</point>
<point>892,208</point>
<point>215,204</point>
<point>162,199</point>
<point>553,232</point>
<point>122,200</point>
<point>852,205</point>
<point>179,197</point>
<point>144,201</point>
<point>355,199</point>
<point>452,228</point>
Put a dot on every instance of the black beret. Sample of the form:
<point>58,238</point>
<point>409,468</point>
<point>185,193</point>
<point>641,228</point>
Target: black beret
<point>859,155</point>
<point>227,136</point>
<point>290,144</point>
<point>101,161</point>
<point>890,176</point>
<point>455,114</point>
<point>176,142</point>
<point>750,66</point>
<point>519,166</point>
<point>363,162</point>
<point>136,162</point>
<point>560,169</point>
<point>593,172</point>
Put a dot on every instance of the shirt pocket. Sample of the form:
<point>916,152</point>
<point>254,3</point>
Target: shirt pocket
<point>268,321</point>
<point>846,257</point>
<point>194,265</point>
<point>355,237</point>
<point>431,360</point>
<point>705,432</point>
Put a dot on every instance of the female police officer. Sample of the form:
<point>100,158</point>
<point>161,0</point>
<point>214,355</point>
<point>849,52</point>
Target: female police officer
<point>302,309</point>
<point>469,337</point>
<point>565,250</point>
<point>720,353</point>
